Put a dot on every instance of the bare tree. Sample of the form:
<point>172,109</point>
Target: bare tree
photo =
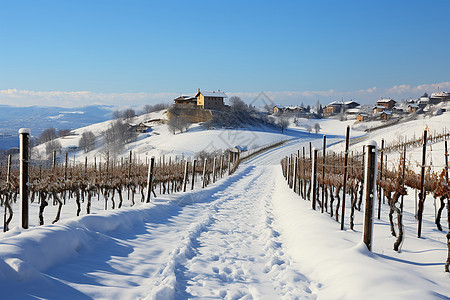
<point>63,132</point>
<point>317,127</point>
<point>177,123</point>
<point>283,122</point>
<point>116,115</point>
<point>157,107</point>
<point>117,135</point>
<point>47,135</point>
<point>87,141</point>
<point>148,108</point>
<point>128,114</point>
<point>53,145</point>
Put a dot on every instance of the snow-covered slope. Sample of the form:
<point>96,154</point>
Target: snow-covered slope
<point>245,237</point>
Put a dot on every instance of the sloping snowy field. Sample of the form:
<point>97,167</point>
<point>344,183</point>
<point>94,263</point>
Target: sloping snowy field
<point>245,237</point>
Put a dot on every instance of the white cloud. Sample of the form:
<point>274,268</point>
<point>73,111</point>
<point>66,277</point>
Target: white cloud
<point>83,98</point>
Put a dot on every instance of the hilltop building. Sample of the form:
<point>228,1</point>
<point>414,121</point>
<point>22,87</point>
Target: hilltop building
<point>203,100</point>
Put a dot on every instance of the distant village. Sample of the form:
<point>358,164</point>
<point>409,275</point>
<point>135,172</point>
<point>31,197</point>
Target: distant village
<point>384,109</point>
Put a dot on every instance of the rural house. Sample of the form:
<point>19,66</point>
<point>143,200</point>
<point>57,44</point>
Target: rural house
<point>211,100</point>
<point>186,100</point>
<point>203,100</point>
<point>387,103</point>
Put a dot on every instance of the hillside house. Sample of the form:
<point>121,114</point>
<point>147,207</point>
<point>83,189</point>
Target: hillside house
<point>423,102</point>
<point>186,100</point>
<point>439,97</point>
<point>202,100</point>
<point>335,107</point>
<point>387,103</point>
<point>412,108</point>
<point>211,100</point>
<point>139,128</point>
<point>277,109</point>
<point>362,117</point>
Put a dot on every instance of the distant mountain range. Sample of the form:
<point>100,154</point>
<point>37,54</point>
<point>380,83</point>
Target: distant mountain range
<point>39,118</point>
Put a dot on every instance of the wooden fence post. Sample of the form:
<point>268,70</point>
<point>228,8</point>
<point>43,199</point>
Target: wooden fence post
<point>314,178</point>
<point>290,172</point>
<point>323,170</point>
<point>214,170</point>
<point>221,165</point>
<point>380,195</point>
<point>6,201</point>
<point>65,166</point>
<point>403,176</point>
<point>347,137</point>
<point>422,187</point>
<point>24,140</point>
<point>54,159</point>
<point>204,173</point>
<point>304,174</point>
<point>295,173</point>
<point>186,168</point>
<point>193,173</point>
<point>370,190</point>
<point>150,179</point>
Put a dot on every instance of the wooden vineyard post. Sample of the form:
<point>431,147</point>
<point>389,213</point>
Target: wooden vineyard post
<point>323,170</point>
<point>304,173</point>
<point>193,174</point>
<point>214,170</point>
<point>370,170</point>
<point>290,169</point>
<point>54,159</point>
<point>129,173</point>
<point>85,167</point>
<point>380,195</point>
<point>204,173</point>
<point>314,178</point>
<point>422,187</point>
<point>24,140</point>
<point>295,173</point>
<point>447,263</point>
<point>347,137</point>
<point>186,168</point>
<point>150,179</point>
<point>65,165</point>
<point>299,165</point>
<point>6,201</point>
<point>403,175</point>
<point>221,166</point>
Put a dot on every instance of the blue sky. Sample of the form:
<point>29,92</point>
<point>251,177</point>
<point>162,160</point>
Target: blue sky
<point>156,49</point>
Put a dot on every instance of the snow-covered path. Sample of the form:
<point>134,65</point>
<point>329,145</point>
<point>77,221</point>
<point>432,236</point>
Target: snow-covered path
<point>238,254</point>
<point>220,242</point>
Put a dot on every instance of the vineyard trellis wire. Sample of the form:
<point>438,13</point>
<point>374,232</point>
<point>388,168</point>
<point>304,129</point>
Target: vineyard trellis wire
<point>331,176</point>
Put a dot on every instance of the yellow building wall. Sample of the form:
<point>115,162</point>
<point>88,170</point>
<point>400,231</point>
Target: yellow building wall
<point>201,100</point>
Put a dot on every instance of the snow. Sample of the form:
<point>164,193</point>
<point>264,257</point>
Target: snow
<point>24,131</point>
<point>248,236</point>
<point>214,94</point>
